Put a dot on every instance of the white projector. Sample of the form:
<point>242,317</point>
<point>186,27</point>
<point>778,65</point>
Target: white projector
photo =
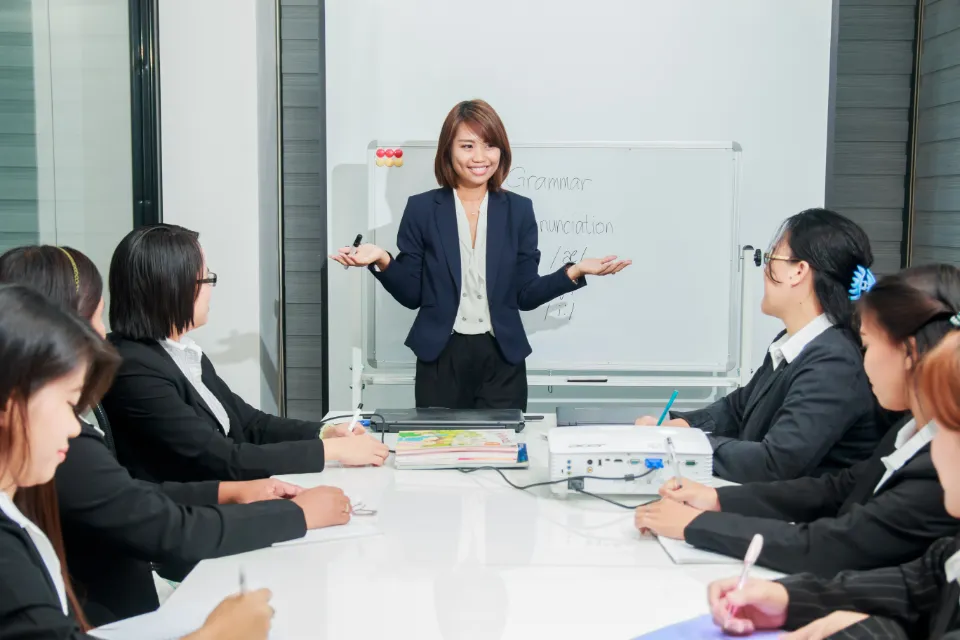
<point>630,460</point>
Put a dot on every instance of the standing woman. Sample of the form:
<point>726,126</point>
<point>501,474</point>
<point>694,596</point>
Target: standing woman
<point>469,262</point>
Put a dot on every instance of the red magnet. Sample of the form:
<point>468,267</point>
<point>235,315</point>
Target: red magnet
<point>398,153</point>
<point>389,153</point>
<point>380,153</point>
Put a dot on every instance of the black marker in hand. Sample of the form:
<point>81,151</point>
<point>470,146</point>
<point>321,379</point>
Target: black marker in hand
<point>356,243</point>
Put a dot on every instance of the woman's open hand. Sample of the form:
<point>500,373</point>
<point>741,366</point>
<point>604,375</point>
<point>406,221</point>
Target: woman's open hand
<point>362,256</point>
<point>597,267</point>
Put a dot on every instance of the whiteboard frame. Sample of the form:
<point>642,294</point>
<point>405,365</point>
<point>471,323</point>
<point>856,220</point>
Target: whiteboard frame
<point>388,372</point>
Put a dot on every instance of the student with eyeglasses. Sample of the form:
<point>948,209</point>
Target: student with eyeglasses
<point>55,367</point>
<point>116,527</point>
<point>882,511</point>
<point>808,409</point>
<point>173,417</point>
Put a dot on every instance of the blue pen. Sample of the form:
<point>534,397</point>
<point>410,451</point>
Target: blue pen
<point>666,409</point>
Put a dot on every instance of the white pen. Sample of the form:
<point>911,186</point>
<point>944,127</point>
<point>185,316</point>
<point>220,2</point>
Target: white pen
<point>750,559</point>
<point>356,418</point>
<point>672,452</point>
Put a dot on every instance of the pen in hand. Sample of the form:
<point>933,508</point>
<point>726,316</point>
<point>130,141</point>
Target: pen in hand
<point>753,553</point>
<point>243,582</point>
<point>666,409</point>
<point>356,418</point>
<point>674,462</point>
<point>356,243</point>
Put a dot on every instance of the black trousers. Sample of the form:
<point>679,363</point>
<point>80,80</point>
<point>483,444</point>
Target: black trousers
<point>471,373</point>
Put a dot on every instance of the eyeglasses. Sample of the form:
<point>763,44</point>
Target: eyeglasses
<point>767,257</point>
<point>211,279</point>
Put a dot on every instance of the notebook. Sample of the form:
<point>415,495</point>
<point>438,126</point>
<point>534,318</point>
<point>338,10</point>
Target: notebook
<point>450,449</point>
<point>701,628</point>
<point>684,553</point>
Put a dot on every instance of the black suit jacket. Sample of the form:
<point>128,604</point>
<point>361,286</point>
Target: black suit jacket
<point>425,275</point>
<point>912,600</point>
<point>29,605</point>
<point>165,431</point>
<point>115,527</point>
<point>811,416</point>
<point>840,523</point>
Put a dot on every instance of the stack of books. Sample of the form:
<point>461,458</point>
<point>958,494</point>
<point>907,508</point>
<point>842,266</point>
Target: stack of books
<point>460,448</point>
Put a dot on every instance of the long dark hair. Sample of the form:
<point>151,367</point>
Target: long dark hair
<point>63,274</point>
<point>154,282</point>
<point>40,343</point>
<point>834,246</point>
<point>914,307</point>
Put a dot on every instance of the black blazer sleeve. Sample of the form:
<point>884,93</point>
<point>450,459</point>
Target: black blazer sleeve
<point>800,500</point>
<point>402,276</point>
<point>533,289</point>
<point>147,401</point>
<point>872,628</point>
<point>816,413</point>
<point>725,416</point>
<point>895,525</point>
<point>908,594</point>
<point>194,493</point>
<point>29,608</point>
<point>97,495</point>
<point>262,428</point>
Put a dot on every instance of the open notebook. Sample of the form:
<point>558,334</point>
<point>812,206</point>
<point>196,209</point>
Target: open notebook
<point>701,628</point>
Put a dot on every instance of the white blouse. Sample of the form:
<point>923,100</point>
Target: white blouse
<point>473,314</point>
<point>43,545</point>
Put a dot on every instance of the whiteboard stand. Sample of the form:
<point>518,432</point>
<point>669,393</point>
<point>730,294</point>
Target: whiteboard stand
<point>737,377</point>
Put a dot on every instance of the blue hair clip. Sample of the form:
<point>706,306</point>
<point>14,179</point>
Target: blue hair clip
<point>863,281</point>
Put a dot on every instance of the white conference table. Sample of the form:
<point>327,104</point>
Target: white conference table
<point>466,557</point>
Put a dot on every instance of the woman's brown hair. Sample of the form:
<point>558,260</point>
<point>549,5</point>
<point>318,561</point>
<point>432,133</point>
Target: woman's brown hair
<point>41,343</point>
<point>483,121</point>
<point>939,383</point>
<point>63,274</point>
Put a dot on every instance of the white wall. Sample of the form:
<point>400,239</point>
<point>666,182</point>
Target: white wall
<point>82,90</point>
<point>211,149</point>
<point>753,71</point>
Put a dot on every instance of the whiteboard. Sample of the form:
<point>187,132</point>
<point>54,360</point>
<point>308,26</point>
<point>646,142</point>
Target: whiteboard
<point>670,207</point>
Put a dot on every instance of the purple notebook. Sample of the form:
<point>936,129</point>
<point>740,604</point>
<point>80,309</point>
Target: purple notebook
<point>699,629</point>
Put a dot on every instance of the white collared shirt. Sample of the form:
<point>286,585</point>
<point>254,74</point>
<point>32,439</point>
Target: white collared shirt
<point>909,442</point>
<point>952,567</point>
<point>42,544</point>
<point>473,314</point>
<point>189,357</point>
<point>788,347</point>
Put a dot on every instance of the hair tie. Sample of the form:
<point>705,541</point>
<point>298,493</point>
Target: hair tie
<point>863,281</point>
<point>955,320</point>
<point>76,272</point>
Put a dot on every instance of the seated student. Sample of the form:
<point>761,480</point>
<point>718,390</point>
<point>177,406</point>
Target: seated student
<point>114,526</point>
<point>882,511</point>
<point>919,599</point>
<point>808,410</point>
<point>173,417</point>
<point>54,366</point>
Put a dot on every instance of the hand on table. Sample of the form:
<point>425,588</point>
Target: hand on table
<point>692,493</point>
<point>826,626</point>
<point>342,430</point>
<point>245,616</point>
<point>665,518</point>
<point>357,450</point>
<point>650,421</point>
<point>363,256</point>
<point>759,605</point>
<point>255,491</point>
<point>324,507</point>
<point>597,267</point>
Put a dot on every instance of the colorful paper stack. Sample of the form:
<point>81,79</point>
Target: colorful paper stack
<point>442,449</point>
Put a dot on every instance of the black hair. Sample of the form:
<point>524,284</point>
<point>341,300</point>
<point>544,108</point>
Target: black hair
<point>154,282</point>
<point>40,342</point>
<point>63,274</point>
<point>834,246</point>
<point>914,307</point>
